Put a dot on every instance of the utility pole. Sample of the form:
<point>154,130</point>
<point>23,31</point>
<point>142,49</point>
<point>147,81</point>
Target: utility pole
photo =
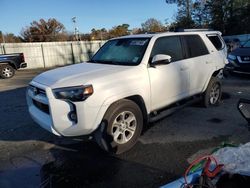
<point>76,31</point>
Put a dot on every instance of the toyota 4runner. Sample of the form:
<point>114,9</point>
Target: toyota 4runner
<point>129,82</point>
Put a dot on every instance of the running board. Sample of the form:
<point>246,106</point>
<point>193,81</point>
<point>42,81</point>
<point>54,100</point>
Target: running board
<point>177,106</point>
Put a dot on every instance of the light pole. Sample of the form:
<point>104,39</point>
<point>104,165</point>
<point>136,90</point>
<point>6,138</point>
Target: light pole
<point>77,37</point>
<point>75,29</point>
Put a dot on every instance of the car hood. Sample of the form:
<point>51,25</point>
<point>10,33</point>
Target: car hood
<point>78,74</point>
<point>241,52</point>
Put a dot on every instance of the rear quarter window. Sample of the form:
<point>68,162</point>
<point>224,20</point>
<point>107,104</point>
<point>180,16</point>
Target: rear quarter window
<point>216,41</point>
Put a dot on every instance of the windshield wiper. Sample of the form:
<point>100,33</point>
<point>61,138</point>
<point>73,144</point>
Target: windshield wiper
<point>110,62</point>
<point>104,62</point>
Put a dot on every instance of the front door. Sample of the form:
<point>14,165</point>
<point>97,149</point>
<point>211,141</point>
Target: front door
<point>169,82</point>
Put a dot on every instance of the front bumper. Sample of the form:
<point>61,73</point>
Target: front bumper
<point>53,114</point>
<point>240,70</point>
<point>238,66</point>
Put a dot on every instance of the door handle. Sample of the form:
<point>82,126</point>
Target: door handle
<point>183,68</point>
<point>209,62</point>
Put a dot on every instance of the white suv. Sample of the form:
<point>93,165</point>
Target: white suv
<point>130,81</point>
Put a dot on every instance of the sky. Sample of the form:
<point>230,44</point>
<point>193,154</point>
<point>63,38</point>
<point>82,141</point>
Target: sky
<point>16,14</point>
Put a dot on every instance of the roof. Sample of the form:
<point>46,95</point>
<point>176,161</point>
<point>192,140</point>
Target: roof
<point>150,35</point>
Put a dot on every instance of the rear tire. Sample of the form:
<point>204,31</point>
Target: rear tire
<point>121,126</point>
<point>6,71</point>
<point>212,95</point>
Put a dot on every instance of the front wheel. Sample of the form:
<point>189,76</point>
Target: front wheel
<point>212,95</point>
<point>123,124</point>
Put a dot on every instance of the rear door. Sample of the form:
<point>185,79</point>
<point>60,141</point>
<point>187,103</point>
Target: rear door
<point>220,52</point>
<point>199,61</point>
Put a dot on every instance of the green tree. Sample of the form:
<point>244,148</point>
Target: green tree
<point>9,38</point>
<point>99,34</point>
<point>44,31</point>
<point>119,30</point>
<point>153,25</point>
<point>200,14</point>
<point>230,16</point>
<point>184,14</point>
<point>1,37</point>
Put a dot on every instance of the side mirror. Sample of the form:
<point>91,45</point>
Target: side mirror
<point>244,109</point>
<point>161,59</point>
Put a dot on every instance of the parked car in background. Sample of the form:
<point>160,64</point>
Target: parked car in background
<point>239,59</point>
<point>11,62</point>
<point>232,44</point>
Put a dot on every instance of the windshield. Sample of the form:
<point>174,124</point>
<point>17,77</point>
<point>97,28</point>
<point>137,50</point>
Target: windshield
<point>128,51</point>
<point>247,44</point>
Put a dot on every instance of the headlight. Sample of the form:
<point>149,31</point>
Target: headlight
<point>232,57</point>
<point>77,93</point>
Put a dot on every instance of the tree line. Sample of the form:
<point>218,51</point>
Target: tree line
<point>231,17</point>
<point>228,16</point>
<point>53,30</point>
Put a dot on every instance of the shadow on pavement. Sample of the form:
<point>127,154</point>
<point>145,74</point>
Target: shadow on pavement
<point>73,164</point>
<point>88,166</point>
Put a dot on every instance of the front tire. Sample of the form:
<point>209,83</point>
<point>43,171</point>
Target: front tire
<point>6,71</point>
<point>212,95</point>
<point>123,124</point>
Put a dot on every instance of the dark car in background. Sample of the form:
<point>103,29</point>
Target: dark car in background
<point>239,59</point>
<point>11,62</point>
<point>232,44</point>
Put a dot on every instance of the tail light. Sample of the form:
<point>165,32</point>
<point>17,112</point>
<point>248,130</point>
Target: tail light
<point>22,57</point>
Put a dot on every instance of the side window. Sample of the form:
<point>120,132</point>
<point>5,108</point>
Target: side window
<point>168,46</point>
<point>195,46</point>
<point>216,41</point>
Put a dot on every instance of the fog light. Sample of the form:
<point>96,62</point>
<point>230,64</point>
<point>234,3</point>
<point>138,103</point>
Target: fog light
<point>72,116</point>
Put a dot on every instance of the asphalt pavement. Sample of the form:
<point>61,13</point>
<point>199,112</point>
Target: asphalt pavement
<point>32,157</point>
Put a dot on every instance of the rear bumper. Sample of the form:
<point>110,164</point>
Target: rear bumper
<point>23,65</point>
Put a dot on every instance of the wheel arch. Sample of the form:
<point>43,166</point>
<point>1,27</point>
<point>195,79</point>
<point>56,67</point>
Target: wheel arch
<point>12,64</point>
<point>140,102</point>
<point>216,73</point>
<point>137,99</point>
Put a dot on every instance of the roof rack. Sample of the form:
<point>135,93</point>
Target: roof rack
<point>192,30</point>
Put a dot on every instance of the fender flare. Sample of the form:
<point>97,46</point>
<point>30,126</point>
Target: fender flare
<point>11,63</point>
<point>106,105</point>
<point>214,74</point>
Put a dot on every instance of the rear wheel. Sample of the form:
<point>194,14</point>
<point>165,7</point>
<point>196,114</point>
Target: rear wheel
<point>212,95</point>
<point>6,71</point>
<point>123,124</point>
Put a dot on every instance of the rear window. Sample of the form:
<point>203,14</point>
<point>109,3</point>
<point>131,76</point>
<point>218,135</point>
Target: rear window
<point>216,41</point>
<point>195,46</point>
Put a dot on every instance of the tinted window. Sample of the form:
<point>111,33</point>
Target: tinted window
<point>216,42</point>
<point>247,44</point>
<point>168,46</point>
<point>195,46</point>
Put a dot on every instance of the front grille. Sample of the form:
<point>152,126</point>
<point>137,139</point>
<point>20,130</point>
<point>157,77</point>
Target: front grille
<point>43,107</point>
<point>37,91</point>
<point>245,58</point>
